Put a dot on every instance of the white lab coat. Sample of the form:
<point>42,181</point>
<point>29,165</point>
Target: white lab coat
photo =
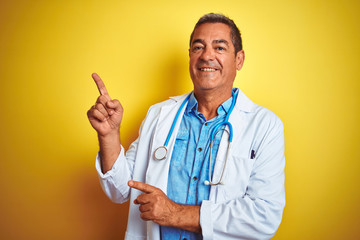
<point>250,203</point>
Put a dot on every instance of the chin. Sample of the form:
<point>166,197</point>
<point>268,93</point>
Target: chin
<point>205,87</point>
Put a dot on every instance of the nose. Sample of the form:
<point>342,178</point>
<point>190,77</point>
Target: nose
<point>207,54</point>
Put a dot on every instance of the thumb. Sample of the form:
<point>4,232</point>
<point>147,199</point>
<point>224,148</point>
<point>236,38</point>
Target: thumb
<point>114,104</point>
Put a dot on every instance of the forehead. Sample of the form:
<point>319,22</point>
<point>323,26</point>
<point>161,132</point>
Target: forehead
<point>212,31</point>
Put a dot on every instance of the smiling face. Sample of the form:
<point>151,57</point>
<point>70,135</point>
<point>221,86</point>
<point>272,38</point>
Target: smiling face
<point>213,63</point>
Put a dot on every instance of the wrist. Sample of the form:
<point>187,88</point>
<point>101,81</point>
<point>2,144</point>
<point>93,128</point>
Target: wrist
<point>110,140</point>
<point>110,147</point>
<point>177,215</point>
<point>186,217</point>
<point>110,134</point>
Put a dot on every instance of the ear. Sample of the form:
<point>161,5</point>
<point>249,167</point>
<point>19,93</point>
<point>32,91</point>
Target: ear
<point>240,58</point>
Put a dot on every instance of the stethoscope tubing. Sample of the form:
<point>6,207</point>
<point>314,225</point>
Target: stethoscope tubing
<point>175,120</point>
<point>161,152</point>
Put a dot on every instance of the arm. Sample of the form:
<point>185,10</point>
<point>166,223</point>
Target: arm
<point>112,166</point>
<point>105,117</point>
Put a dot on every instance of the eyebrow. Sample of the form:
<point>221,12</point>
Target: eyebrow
<point>221,41</point>
<point>197,41</point>
<point>215,41</point>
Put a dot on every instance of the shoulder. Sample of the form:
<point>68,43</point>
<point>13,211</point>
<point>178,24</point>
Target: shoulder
<point>267,116</point>
<point>172,101</point>
<point>261,115</point>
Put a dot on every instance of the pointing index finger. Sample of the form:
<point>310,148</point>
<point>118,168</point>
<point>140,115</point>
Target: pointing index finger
<point>146,188</point>
<point>100,84</point>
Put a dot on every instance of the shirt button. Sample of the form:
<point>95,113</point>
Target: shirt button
<point>195,178</point>
<point>200,149</point>
<point>206,124</point>
<point>184,238</point>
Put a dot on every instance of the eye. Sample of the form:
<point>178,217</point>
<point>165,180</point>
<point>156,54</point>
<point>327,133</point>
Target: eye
<point>220,48</point>
<point>197,48</point>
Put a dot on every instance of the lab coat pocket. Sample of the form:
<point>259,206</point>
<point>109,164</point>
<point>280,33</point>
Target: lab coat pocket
<point>180,148</point>
<point>237,176</point>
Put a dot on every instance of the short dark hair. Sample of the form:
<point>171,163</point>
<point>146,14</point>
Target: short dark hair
<point>220,18</point>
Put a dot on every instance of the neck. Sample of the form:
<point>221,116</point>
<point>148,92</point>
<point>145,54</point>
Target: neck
<point>209,102</point>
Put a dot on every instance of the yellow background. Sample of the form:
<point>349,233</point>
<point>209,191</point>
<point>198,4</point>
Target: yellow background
<point>302,62</point>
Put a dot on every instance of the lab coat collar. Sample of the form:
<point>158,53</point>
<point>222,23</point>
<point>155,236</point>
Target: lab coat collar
<point>180,97</point>
<point>243,103</point>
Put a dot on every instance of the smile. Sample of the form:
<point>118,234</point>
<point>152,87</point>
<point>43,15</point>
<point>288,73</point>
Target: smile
<point>207,69</point>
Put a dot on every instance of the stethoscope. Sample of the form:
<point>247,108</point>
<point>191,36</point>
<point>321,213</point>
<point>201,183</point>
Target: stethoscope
<point>161,152</point>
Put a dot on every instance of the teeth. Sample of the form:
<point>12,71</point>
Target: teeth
<point>208,69</point>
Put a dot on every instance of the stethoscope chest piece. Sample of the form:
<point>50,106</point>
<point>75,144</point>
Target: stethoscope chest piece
<point>160,153</point>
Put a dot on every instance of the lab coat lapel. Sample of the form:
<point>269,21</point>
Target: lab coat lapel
<point>238,121</point>
<point>157,171</point>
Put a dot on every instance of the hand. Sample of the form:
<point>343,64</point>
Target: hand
<point>106,115</point>
<point>155,205</point>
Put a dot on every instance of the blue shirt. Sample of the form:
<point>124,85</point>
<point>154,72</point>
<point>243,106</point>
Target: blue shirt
<point>189,166</point>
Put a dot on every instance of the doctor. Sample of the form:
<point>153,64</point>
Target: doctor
<point>189,190</point>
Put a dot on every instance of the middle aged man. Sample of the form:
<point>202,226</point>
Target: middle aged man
<point>192,191</point>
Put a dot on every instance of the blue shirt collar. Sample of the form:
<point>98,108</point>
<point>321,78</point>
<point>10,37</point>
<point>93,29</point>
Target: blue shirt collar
<point>222,109</point>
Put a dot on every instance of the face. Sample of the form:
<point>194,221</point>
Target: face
<point>213,63</point>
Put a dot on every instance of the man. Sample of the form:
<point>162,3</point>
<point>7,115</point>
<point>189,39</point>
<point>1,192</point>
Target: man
<point>192,191</point>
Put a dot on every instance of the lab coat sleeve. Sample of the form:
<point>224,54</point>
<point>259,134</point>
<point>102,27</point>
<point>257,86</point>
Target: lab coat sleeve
<point>257,214</point>
<point>115,181</point>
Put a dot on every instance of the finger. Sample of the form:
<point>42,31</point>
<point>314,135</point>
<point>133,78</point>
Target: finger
<point>103,100</point>
<point>100,84</point>
<point>146,188</point>
<point>96,114</point>
<point>145,208</point>
<point>146,216</point>
<point>102,109</point>
<point>116,105</point>
<point>143,199</point>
